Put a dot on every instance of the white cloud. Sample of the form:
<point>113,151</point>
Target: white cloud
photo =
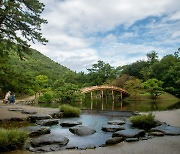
<point>74,27</point>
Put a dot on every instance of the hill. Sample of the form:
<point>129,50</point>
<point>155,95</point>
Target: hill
<point>19,75</point>
<point>37,64</point>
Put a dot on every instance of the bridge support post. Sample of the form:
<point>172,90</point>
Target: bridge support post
<point>121,95</point>
<point>91,100</point>
<point>102,100</point>
<point>121,100</point>
<point>112,100</point>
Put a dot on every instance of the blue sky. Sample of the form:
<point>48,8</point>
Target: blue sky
<point>119,32</point>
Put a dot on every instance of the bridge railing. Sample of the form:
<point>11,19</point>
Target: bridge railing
<point>93,88</point>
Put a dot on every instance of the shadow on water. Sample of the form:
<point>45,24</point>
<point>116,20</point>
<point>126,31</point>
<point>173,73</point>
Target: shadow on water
<point>108,104</point>
<point>121,105</point>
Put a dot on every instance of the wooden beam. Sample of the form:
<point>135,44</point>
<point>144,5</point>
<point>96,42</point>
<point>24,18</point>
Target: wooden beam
<point>112,100</point>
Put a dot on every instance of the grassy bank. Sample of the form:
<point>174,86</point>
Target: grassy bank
<point>147,97</point>
<point>144,102</point>
<point>11,139</point>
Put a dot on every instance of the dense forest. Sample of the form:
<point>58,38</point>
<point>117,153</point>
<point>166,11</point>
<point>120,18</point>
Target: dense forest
<point>36,73</point>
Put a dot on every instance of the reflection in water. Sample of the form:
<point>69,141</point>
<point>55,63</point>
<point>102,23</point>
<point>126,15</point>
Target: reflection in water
<point>154,105</point>
<point>114,102</point>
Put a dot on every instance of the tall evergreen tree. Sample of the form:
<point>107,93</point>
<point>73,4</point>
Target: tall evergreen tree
<point>20,23</point>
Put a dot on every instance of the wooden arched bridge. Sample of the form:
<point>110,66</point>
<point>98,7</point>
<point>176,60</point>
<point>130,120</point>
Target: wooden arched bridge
<point>101,88</point>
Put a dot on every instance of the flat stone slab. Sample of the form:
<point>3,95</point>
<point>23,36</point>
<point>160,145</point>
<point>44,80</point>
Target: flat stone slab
<point>35,117</point>
<point>112,128</point>
<point>29,112</point>
<point>70,123</point>
<point>48,122</point>
<point>49,139</point>
<point>129,133</point>
<point>116,122</point>
<point>37,130</point>
<point>46,148</point>
<point>132,139</point>
<point>114,140</point>
<point>167,130</point>
<point>157,133</point>
<point>15,109</point>
<point>82,130</point>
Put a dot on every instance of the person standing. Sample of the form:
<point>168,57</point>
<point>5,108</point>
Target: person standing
<point>12,98</point>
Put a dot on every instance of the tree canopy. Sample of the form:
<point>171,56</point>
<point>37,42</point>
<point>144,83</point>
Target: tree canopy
<point>20,24</point>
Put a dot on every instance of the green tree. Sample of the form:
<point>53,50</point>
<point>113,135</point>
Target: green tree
<point>152,57</point>
<point>154,87</point>
<point>134,87</point>
<point>100,72</point>
<point>20,23</point>
<point>41,82</point>
<point>68,93</point>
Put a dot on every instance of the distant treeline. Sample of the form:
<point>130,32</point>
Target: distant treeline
<point>20,76</point>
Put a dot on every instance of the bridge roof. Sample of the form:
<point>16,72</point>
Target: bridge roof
<point>94,88</point>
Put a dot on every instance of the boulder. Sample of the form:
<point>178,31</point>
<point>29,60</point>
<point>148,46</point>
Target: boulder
<point>132,139</point>
<point>47,122</point>
<point>82,130</point>
<point>35,117</point>
<point>50,139</point>
<point>37,130</point>
<point>116,122</point>
<point>129,133</point>
<point>114,140</point>
<point>57,115</point>
<point>70,123</point>
<point>112,128</point>
<point>167,130</point>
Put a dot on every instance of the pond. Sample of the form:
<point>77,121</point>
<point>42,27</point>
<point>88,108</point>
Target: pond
<point>122,105</point>
<point>93,121</point>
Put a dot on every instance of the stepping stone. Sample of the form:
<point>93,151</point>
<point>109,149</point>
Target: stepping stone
<point>34,118</point>
<point>167,130</point>
<point>49,139</point>
<point>47,122</point>
<point>157,133</point>
<point>82,130</point>
<point>114,140</point>
<point>37,130</point>
<point>15,109</point>
<point>116,122</point>
<point>70,123</point>
<point>112,128</point>
<point>132,139</point>
<point>129,133</point>
<point>46,148</point>
<point>28,112</point>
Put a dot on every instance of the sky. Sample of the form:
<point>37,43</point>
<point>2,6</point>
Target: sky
<point>118,32</point>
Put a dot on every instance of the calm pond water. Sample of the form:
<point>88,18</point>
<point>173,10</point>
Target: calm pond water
<point>93,121</point>
<point>107,104</point>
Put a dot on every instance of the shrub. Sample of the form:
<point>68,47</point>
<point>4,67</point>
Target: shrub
<point>69,111</point>
<point>46,98</point>
<point>12,139</point>
<point>143,121</point>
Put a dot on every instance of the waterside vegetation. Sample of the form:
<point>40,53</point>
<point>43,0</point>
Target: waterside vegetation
<point>11,139</point>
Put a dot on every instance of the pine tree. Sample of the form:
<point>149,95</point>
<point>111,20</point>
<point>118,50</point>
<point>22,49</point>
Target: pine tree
<point>20,24</point>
